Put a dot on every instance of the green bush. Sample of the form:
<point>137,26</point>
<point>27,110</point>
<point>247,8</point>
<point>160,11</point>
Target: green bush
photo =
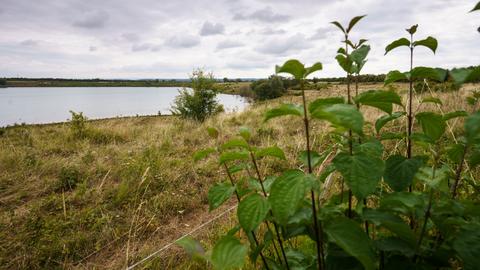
<point>200,102</point>
<point>78,125</point>
<point>271,88</point>
<point>68,179</point>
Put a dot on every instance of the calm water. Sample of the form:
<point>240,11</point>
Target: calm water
<point>37,105</point>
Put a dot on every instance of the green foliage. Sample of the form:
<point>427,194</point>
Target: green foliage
<point>271,88</point>
<point>78,125</point>
<point>428,227</point>
<point>68,179</point>
<point>228,253</point>
<point>200,102</point>
<point>3,82</point>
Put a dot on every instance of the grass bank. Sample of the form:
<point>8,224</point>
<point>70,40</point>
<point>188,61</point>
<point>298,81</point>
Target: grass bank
<point>129,186</point>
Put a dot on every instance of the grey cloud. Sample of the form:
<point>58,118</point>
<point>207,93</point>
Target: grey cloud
<point>183,41</point>
<point>91,20</point>
<point>131,37</point>
<point>264,15</point>
<point>227,44</point>
<point>92,49</point>
<point>29,43</point>
<point>321,33</point>
<point>271,31</point>
<point>280,46</point>
<point>141,47</point>
<point>209,28</point>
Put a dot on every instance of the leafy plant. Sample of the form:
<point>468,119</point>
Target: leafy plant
<point>199,102</point>
<point>435,226</point>
<point>271,88</point>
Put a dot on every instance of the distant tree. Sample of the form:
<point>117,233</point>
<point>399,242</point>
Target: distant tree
<point>199,102</point>
<point>225,80</point>
<point>3,82</point>
<point>273,87</point>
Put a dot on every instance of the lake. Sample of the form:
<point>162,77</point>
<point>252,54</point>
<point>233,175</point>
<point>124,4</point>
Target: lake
<point>38,105</point>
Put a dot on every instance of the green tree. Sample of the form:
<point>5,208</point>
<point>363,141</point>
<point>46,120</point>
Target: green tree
<point>271,88</point>
<point>3,82</point>
<point>199,102</point>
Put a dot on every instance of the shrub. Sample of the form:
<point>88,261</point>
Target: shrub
<point>68,179</point>
<point>3,82</point>
<point>200,102</point>
<point>268,89</point>
<point>78,125</point>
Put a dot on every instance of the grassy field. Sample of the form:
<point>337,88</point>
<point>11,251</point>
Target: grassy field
<point>129,186</point>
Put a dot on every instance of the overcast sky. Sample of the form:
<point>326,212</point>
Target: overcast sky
<point>231,38</point>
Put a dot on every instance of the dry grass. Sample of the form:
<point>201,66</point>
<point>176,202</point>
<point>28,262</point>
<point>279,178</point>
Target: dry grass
<point>136,186</point>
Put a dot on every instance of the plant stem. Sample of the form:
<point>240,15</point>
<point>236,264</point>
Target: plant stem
<point>277,232</point>
<point>238,199</point>
<point>410,114</point>
<point>458,173</point>
<point>427,216</point>
<point>261,255</point>
<point>317,228</point>
<point>350,139</point>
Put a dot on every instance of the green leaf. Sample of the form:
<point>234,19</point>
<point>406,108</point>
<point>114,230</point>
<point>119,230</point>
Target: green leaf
<point>477,7</point>
<point>337,24</point>
<point>354,21</point>
<point>434,178</point>
<point>272,151</point>
<point>391,222</point>
<point>428,73</point>
<point>393,244</point>
<point>455,152</point>
<point>380,99</point>
<point>235,143</point>
<point>400,171</point>
<point>324,101</point>
<point>382,121</point>
<point>359,55</point>
<point>245,133</point>
<point>474,158</point>
<point>251,211</point>
<point>315,67</point>
<point>191,246</point>
<point>232,156</point>
<point>345,63</point>
<point>412,29</point>
<point>284,109</point>
<point>218,194</point>
<point>212,132</point>
<point>341,115</point>
<point>460,75</point>
<point>292,67</point>
<point>454,114</point>
<point>371,148</point>
<point>397,43</point>
<point>315,158</point>
<point>432,100</point>
<point>429,42</point>
<point>286,193</point>
<point>467,245</point>
<point>432,124</point>
<point>360,171</point>
<point>199,155</point>
<point>229,253</point>
<point>394,76</point>
<point>472,127</point>
<point>352,239</point>
<point>402,202</point>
